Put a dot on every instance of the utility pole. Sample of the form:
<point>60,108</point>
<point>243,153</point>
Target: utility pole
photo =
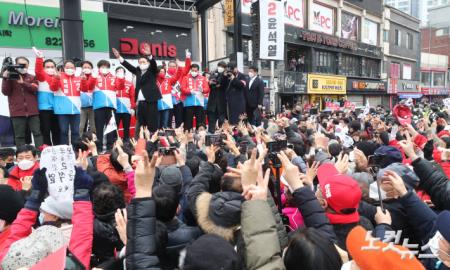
<point>204,30</point>
<point>237,37</point>
<point>71,29</point>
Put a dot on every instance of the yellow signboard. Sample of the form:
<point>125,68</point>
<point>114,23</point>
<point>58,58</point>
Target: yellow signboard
<point>229,13</point>
<point>326,84</point>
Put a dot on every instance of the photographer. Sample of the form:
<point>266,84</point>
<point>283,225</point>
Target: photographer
<point>22,100</point>
<point>217,103</point>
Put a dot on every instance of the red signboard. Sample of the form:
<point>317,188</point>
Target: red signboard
<point>131,46</point>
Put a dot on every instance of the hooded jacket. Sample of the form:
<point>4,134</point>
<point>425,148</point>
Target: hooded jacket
<point>22,98</point>
<point>44,95</point>
<point>67,93</point>
<point>16,174</point>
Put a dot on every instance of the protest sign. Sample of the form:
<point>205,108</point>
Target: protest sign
<point>60,163</point>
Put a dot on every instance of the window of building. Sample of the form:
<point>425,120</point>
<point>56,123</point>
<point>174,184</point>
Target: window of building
<point>409,41</point>
<point>407,72</point>
<point>443,32</point>
<point>425,78</point>
<point>350,65</point>
<point>372,68</point>
<point>298,59</point>
<point>386,35</point>
<point>398,37</point>
<point>325,62</point>
<point>395,70</point>
<point>438,78</point>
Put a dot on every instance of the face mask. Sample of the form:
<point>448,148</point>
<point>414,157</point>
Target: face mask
<point>251,74</point>
<point>171,71</point>
<point>120,74</point>
<point>41,219</point>
<point>104,70</point>
<point>87,71</point>
<point>194,73</point>
<point>69,71</point>
<point>25,164</point>
<point>373,192</point>
<point>22,70</point>
<point>50,71</point>
<point>162,75</point>
<point>220,69</point>
<point>144,66</point>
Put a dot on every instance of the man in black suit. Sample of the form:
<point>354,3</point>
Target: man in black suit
<point>235,94</point>
<point>254,95</point>
<point>217,104</point>
<point>147,93</point>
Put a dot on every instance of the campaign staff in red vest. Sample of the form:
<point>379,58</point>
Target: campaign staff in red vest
<point>194,87</point>
<point>67,103</point>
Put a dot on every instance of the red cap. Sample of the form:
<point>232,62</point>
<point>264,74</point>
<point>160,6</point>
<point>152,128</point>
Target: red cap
<point>443,133</point>
<point>403,114</point>
<point>341,192</point>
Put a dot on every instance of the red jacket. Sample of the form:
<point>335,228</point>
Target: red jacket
<point>70,86</point>
<point>117,178</point>
<point>189,84</point>
<point>80,239</point>
<point>22,98</point>
<point>41,75</point>
<point>16,174</point>
<point>127,92</point>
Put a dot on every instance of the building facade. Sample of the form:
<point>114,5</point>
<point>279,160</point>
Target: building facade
<point>401,63</point>
<point>434,77</point>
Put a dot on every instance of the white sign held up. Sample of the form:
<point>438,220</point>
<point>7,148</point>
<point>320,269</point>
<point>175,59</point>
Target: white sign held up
<point>60,163</point>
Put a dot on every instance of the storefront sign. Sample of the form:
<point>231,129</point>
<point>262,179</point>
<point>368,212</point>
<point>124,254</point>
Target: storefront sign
<point>294,13</point>
<point>131,46</point>
<point>327,40</point>
<point>271,46</point>
<point>435,91</point>
<point>322,19</point>
<point>365,85</point>
<point>40,27</point>
<point>324,84</point>
<point>406,86</point>
<point>294,82</point>
<point>229,13</point>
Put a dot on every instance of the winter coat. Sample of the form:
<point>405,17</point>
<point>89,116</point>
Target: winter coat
<point>145,81</point>
<point>44,95</point>
<point>170,87</point>
<point>16,174</point>
<point>125,98</point>
<point>194,90</point>
<point>105,90</point>
<point>106,239</point>
<point>281,230</point>
<point>434,182</point>
<point>217,100</point>
<point>117,178</point>
<point>22,98</point>
<point>67,93</point>
<point>235,98</point>
<point>141,229</point>
<point>254,94</point>
<point>259,231</point>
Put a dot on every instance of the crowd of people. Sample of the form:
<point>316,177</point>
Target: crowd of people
<point>301,189</point>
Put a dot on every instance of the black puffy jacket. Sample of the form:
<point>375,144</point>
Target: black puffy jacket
<point>141,228</point>
<point>106,239</point>
<point>434,182</point>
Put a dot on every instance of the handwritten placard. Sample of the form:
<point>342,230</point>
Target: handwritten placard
<point>60,163</point>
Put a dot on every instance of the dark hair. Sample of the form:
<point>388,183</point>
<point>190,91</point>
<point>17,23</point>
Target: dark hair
<point>49,61</point>
<point>103,63</point>
<point>115,154</point>
<point>87,62</point>
<point>254,68</point>
<point>312,250</point>
<point>193,164</point>
<point>68,61</point>
<point>87,135</point>
<point>334,149</point>
<point>120,67</point>
<point>143,57</point>
<point>6,152</point>
<point>79,144</point>
<point>26,148</point>
<point>222,64</point>
<point>232,65</point>
<point>161,238</point>
<point>195,66</point>
<point>166,201</point>
<point>229,183</point>
<point>23,58</point>
<point>107,198</point>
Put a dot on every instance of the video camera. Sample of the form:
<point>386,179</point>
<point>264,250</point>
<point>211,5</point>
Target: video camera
<point>215,139</point>
<point>8,65</point>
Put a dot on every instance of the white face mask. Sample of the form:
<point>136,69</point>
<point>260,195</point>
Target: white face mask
<point>69,71</point>
<point>25,164</point>
<point>104,70</point>
<point>144,66</point>
<point>120,74</point>
<point>373,192</point>
<point>251,74</point>
<point>87,71</point>
<point>50,71</point>
<point>194,73</point>
<point>22,70</point>
<point>220,69</point>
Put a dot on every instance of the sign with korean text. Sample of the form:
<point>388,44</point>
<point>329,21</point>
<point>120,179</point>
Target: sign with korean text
<point>325,84</point>
<point>19,27</point>
<point>271,30</point>
<point>229,13</point>
<point>60,163</point>
<point>322,19</point>
<point>294,13</point>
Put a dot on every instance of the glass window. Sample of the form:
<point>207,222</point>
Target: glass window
<point>409,41</point>
<point>386,35</point>
<point>298,59</point>
<point>443,32</point>
<point>325,62</point>
<point>350,65</point>
<point>425,78</point>
<point>398,37</point>
<point>438,78</point>
<point>407,72</point>
<point>372,68</point>
<point>395,70</point>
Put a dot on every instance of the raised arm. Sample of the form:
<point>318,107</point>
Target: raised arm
<point>124,62</point>
<point>55,83</point>
<point>39,69</point>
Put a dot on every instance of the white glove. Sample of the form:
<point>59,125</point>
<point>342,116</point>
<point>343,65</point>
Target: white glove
<point>132,112</point>
<point>38,53</point>
<point>188,53</point>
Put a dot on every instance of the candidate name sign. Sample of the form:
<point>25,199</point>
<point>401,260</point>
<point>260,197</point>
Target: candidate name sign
<point>271,30</point>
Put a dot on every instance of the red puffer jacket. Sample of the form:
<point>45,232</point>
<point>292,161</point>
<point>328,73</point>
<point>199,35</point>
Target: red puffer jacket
<point>16,174</point>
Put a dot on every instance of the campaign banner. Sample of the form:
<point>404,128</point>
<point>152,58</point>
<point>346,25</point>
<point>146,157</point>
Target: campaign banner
<point>322,19</point>
<point>271,30</point>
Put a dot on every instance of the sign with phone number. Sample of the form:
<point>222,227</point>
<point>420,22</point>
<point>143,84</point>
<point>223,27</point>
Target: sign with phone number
<point>40,27</point>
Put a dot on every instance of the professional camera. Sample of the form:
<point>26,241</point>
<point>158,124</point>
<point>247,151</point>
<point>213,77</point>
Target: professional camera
<point>8,65</point>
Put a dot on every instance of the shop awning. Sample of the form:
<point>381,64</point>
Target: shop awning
<point>412,95</point>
